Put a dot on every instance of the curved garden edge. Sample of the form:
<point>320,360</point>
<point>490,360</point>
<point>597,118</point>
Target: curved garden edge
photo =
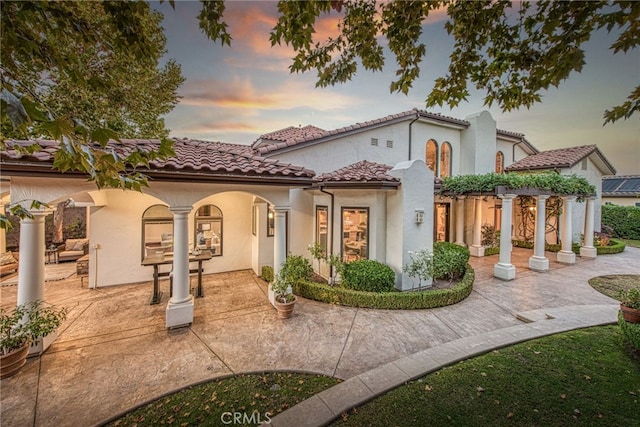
<point>388,300</point>
<point>616,247</point>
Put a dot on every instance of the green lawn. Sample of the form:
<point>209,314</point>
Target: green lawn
<point>239,400</point>
<point>630,242</point>
<point>583,377</point>
<point>611,284</point>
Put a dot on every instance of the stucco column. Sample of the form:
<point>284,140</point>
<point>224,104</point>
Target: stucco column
<point>476,248</point>
<point>588,250</point>
<point>566,255</point>
<point>460,221</point>
<point>538,261</point>
<point>31,266</point>
<point>504,269</point>
<point>279,243</point>
<point>180,306</point>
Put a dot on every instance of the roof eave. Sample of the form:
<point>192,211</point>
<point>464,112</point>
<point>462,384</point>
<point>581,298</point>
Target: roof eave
<point>360,185</point>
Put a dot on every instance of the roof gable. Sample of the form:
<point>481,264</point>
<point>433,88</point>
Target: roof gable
<point>361,173</point>
<point>563,158</point>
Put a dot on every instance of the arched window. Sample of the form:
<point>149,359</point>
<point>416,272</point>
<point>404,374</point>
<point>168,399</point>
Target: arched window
<point>208,229</point>
<point>445,160</point>
<point>499,162</point>
<point>431,156</point>
<point>157,231</point>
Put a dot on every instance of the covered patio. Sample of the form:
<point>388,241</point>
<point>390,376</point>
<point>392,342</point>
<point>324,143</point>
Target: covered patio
<point>114,352</point>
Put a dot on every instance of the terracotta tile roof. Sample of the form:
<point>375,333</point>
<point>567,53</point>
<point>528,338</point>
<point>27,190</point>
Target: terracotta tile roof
<point>293,133</point>
<point>297,139</point>
<point>559,158</point>
<point>192,156</point>
<point>363,171</point>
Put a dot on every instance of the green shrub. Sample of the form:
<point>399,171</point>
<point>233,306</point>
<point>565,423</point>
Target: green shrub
<point>449,260</point>
<point>615,247</point>
<point>368,275</point>
<point>295,268</point>
<point>625,220</point>
<point>388,300</point>
<point>267,273</point>
<point>491,251</point>
<point>630,330</point>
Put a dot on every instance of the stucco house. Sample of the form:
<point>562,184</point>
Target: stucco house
<point>361,191</point>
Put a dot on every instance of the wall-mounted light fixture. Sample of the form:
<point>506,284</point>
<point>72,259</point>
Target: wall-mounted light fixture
<point>419,216</point>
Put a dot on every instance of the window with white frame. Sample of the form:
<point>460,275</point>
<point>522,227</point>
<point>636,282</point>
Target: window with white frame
<point>355,233</point>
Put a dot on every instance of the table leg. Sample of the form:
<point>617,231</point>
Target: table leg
<point>156,297</point>
<point>199,293</point>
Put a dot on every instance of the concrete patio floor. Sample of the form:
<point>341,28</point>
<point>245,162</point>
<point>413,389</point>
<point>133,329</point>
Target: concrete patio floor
<point>114,352</point>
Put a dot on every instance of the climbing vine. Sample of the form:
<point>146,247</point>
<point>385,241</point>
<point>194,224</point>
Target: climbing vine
<point>527,226</point>
<point>551,182</point>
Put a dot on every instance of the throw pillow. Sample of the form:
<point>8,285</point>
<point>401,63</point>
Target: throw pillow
<point>7,258</point>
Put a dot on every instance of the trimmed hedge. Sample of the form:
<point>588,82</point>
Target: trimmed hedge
<point>267,273</point>
<point>630,330</point>
<point>387,300</point>
<point>449,260</point>
<point>368,275</point>
<point>625,220</point>
<point>615,247</point>
<point>491,251</point>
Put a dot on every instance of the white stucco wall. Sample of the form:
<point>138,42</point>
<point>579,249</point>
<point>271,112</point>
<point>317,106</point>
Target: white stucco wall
<point>478,144</point>
<point>622,201</point>
<point>592,174</point>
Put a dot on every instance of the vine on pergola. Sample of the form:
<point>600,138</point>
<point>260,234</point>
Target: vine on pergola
<point>549,183</point>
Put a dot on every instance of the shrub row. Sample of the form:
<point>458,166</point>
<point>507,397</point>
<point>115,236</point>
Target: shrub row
<point>630,330</point>
<point>449,260</point>
<point>615,247</point>
<point>368,275</point>
<point>625,220</point>
<point>387,300</point>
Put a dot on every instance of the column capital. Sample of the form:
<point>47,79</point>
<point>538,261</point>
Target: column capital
<point>595,197</point>
<point>282,208</point>
<point>570,198</point>
<point>180,209</point>
<point>542,197</point>
<point>462,197</point>
<point>507,196</point>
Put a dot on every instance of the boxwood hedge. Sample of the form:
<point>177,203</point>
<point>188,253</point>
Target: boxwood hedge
<point>388,300</point>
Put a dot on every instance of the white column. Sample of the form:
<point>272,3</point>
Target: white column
<point>588,250</point>
<point>538,261</point>
<point>31,266</point>
<point>566,255</point>
<point>460,221</point>
<point>476,248</point>
<point>279,243</point>
<point>180,307</point>
<point>504,269</point>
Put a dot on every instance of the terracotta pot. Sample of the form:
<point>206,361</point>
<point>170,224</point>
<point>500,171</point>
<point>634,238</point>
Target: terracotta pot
<point>10,364</point>
<point>630,315</point>
<point>285,309</point>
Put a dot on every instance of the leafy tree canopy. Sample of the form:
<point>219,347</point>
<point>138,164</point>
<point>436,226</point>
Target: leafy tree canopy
<point>510,51</point>
<point>85,72</point>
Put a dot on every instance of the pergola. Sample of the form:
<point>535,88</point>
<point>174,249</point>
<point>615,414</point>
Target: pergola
<point>504,269</point>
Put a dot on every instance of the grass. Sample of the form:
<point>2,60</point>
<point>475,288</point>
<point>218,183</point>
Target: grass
<point>252,398</point>
<point>631,242</point>
<point>611,284</point>
<point>585,377</point>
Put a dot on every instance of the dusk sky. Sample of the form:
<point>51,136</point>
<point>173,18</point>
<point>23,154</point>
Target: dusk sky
<point>235,94</point>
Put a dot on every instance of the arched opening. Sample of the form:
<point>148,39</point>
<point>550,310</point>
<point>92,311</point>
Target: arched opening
<point>431,156</point>
<point>208,229</point>
<point>445,160</point>
<point>157,230</point>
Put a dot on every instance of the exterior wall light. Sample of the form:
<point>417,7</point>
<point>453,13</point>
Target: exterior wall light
<point>419,216</point>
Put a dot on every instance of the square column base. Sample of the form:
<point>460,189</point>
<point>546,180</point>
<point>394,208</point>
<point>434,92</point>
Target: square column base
<point>476,251</point>
<point>567,257</point>
<point>504,271</point>
<point>588,252</point>
<point>538,263</point>
<point>180,314</point>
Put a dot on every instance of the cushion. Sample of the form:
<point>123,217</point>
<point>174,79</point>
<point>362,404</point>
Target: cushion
<point>74,244</point>
<point>79,246</point>
<point>7,258</point>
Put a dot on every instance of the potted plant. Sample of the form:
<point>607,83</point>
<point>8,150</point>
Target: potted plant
<point>630,305</point>
<point>284,297</point>
<point>22,326</point>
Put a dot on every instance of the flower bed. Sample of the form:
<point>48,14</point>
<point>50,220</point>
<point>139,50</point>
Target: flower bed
<point>388,300</point>
<point>615,247</point>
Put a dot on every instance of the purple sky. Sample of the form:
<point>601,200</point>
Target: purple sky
<point>235,94</point>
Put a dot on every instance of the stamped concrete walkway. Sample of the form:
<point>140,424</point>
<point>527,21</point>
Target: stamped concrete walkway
<point>114,353</point>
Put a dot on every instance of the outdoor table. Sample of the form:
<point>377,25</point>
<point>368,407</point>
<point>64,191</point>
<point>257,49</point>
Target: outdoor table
<point>161,259</point>
<point>51,252</point>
